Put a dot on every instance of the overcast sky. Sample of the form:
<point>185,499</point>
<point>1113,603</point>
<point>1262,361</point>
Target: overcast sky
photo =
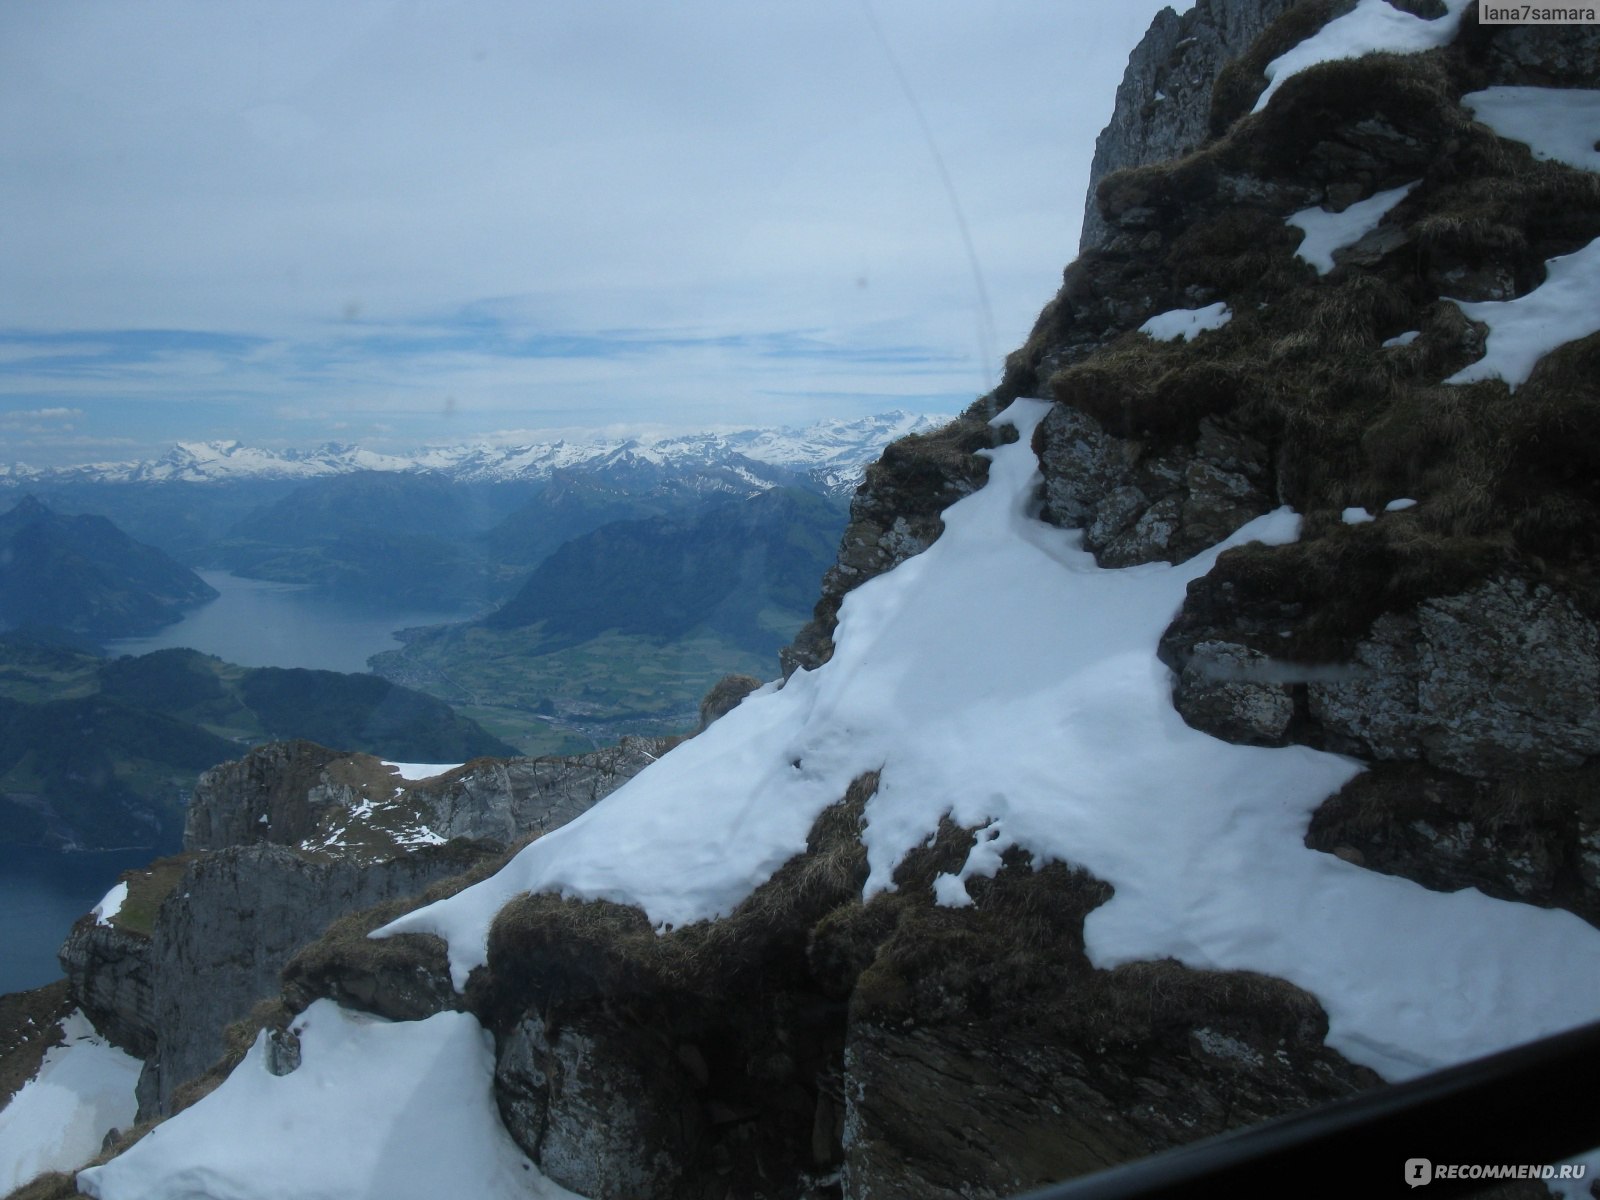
<point>399,223</point>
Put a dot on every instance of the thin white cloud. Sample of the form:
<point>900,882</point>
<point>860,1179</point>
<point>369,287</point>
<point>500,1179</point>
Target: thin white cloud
<point>300,174</point>
<point>20,416</point>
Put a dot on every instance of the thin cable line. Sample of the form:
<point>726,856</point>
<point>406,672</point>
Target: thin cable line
<point>986,335</point>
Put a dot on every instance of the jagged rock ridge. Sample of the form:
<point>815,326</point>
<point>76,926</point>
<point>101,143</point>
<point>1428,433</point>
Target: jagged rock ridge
<point>278,846</point>
<point>1163,107</point>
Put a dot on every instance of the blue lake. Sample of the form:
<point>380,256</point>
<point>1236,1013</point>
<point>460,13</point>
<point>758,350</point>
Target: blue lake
<point>259,624</point>
<point>42,892</point>
<point>252,623</point>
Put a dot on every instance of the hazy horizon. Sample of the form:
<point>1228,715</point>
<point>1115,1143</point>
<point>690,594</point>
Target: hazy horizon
<point>399,224</point>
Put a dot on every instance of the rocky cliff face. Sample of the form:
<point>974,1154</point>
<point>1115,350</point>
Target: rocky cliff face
<point>110,971</point>
<point>356,808</point>
<point>280,845</point>
<point>1163,108</point>
<point>237,917</point>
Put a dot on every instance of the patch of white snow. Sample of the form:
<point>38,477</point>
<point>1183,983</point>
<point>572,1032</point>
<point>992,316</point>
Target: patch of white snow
<point>1327,232</point>
<point>1002,677</point>
<point>58,1119</point>
<point>1402,339</point>
<point>110,904</point>
<point>416,771</point>
<point>420,835</point>
<point>1522,331</point>
<point>1356,516</point>
<point>1399,505</point>
<point>984,859</point>
<point>1555,123</point>
<point>1372,25</point>
<point>1186,323</point>
<point>375,1110</point>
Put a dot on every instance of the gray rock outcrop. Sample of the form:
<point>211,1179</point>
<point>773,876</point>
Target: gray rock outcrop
<point>1163,107</point>
<point>110,973</point>
<point>1531,837</point>
<point>1231,692</point>
<point>354,807</point>
<point>272,794</point>
<point>961,1110</point>
<point>510,798</point>
<point>1499,679</point>
<point>285,842</point>
<point>609,1111</point>
<point>1135,507</point>
<point>1545,55</point>
<point>235,919</point>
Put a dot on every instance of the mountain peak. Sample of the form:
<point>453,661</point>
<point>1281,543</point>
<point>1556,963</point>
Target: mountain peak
<point>30,506</point>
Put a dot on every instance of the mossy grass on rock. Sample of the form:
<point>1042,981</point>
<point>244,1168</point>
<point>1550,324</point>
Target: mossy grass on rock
<point>1440,607</point>
<point>810,1032</point>
<point>724,696</point>
<point>148,889</point>
<point>687,1063</point>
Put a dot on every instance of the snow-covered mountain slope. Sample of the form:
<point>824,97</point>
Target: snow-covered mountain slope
<point>56,1122</point>
<point>1059,738</point>
<point>1056,739</point>
<point>347,1122</point>
<point>831,452</point>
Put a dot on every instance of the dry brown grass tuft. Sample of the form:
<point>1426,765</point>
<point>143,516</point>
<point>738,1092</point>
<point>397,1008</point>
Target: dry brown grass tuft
<point>1243,79</point>
<point>148,888</point>
<point>1327,589</point>
<point>53,1185</point>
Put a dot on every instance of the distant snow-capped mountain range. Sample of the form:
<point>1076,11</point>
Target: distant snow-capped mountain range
<point>832,453</point>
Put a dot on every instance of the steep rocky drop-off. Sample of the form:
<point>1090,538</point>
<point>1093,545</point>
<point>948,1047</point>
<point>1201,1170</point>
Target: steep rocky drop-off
<point>279,846</point>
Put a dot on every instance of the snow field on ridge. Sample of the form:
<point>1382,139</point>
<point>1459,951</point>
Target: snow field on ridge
<point>57,1120</point>
<point>1001,677</point>
<point>415,772</point>
<point>375,1110</point>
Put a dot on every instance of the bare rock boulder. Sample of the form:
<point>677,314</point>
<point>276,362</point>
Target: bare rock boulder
<point>1502,678</point>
